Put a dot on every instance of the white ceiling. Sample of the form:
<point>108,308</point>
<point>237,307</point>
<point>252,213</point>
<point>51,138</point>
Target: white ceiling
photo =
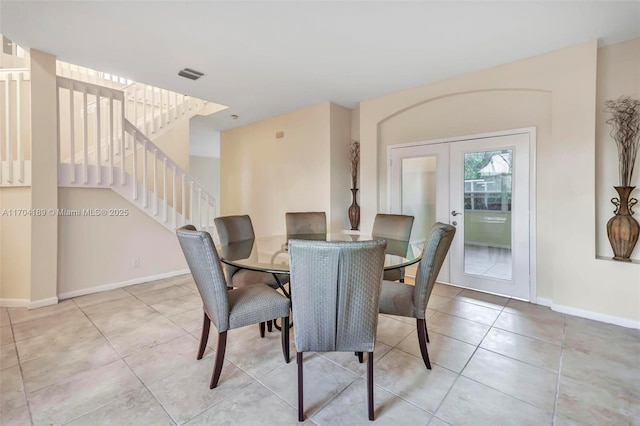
<point>267,58</point>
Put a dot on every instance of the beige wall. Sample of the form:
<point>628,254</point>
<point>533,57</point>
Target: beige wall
<point>175,143</point>
<point>15,245</point>
<point>44,176</point>
<point>618,75</point>
<point>95,251</point>
<point>555,92</point>
<point>265,177</point>
<point>340,146</point>
<point>206,171</point>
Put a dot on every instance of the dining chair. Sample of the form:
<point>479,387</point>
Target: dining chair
<point>335,290</point>
<point>228,309</point>
<point>306,225</point>
<point>239,229</point>
<point>407,300</point>
<point>397,229</point>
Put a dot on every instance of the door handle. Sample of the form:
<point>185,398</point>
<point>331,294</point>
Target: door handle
<point>455,213</point>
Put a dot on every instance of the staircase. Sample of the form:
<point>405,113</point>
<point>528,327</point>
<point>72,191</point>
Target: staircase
<point>15,143</point>
<point>107,126</point>
<point>152,110</point>
<point>106,141</point>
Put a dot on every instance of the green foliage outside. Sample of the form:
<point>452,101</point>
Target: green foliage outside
<point>475,161</point>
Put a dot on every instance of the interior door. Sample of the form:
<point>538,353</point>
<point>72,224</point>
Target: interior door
<point>481,186</point>
<point>420,181</point>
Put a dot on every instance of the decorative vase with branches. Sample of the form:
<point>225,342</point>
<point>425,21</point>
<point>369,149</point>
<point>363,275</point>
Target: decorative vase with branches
<point>623,229</point>
<point>354,209</point>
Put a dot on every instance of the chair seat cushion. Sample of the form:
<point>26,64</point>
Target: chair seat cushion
<point>254,304</point>
<point>246,277</point>
<point>394,274</point>
<point>397,299</point>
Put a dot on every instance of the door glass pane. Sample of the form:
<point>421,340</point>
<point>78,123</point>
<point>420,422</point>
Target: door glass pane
<point>487,213</point>
<point>419,193</point>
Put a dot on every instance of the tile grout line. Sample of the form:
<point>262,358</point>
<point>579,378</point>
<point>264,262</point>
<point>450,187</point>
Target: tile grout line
<point>213,350</point>
<point>226,361</point>
<point>557,396</point>
<point>125,363</point>
<point>20,362</point>
<point>24,388</point>
<point>112,347</point>
<point>324,405</point>
<point>465,365</point>
<point>134,373</point>
<point>479,347</point>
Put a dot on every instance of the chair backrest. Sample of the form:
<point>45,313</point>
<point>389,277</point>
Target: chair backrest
<point>204,264</point>
<point>335,294</point>
<point>232,229</point>
<point>306,224</point>
<point>433,254</point>
<point>392,226</point>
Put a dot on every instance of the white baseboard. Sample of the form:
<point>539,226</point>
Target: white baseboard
<point>43,302</point>
<point>570,310</point>
<point>112,286</point>
<point>26,303</point>
<point>14,303</point>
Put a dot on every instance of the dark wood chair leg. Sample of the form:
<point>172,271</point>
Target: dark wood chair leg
<point>285,338</point>
<point>426,332</point>
<point>300,388</point>
<point>422,340</point>
<point>360,356</point>
<point>204,337</point>
<point>217,369</point>
<point>261,326</point>
<point>269,326</point>
<point>370,385</point>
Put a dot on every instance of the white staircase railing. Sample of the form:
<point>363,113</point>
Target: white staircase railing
<point>87,75</point>
<point>15,118</point>
<point>151,109</point>
<point>104,149</point>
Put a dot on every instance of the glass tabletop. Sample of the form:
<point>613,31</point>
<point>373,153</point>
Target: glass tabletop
<point>269,254</point>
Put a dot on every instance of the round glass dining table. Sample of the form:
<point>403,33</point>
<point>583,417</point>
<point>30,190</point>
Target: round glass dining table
<point>269,254</point>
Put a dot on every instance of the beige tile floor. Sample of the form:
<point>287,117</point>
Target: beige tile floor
<point>127,357</point>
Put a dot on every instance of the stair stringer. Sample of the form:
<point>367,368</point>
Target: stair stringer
<point>123,184</point>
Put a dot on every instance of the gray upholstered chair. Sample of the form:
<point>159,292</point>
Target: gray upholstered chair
<point>335,290</point>
<point>236,229</point>
<point>396,229</point>
<point>228,309</point>
<point>306,225</point>
<point>411,300</point>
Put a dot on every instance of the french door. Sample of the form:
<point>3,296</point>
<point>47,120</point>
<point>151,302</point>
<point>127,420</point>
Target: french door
<point>482,187</point>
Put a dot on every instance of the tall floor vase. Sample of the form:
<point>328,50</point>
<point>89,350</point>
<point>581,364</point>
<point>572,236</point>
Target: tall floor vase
<point>623,229</point>
<point>354,211</point>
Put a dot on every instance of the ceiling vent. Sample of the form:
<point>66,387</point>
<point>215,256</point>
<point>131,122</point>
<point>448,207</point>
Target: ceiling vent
<point>190,74</point>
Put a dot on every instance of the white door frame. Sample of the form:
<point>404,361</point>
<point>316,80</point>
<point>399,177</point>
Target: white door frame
<point>531,132</point>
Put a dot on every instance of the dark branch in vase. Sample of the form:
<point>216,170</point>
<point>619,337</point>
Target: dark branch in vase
<point>355,163</point>
<point>625,130</point>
